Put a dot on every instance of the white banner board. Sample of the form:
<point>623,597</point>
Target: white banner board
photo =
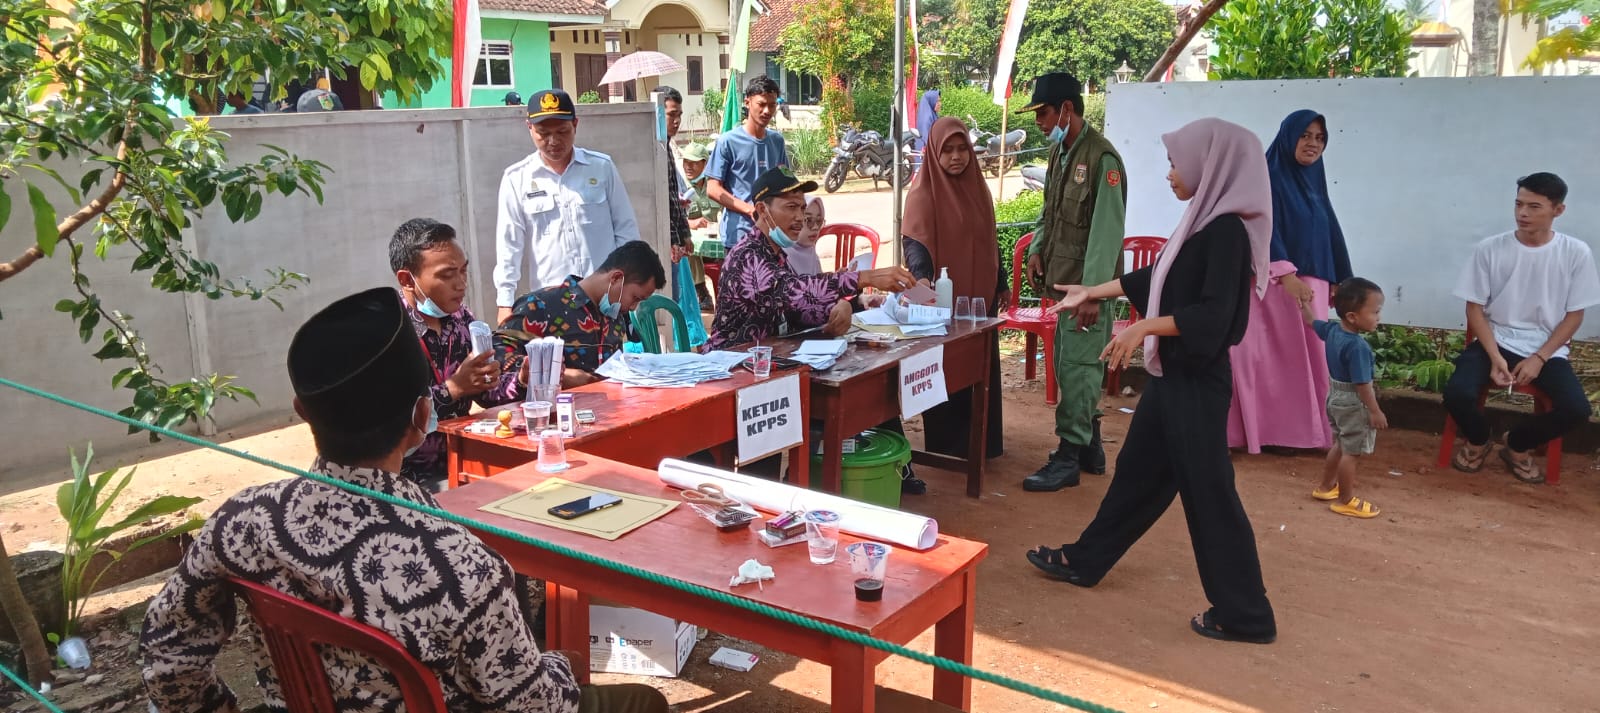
<point>922,381</point>
<point>768,419</point>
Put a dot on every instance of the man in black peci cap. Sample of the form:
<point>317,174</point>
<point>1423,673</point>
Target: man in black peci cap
<point>562,209</point>
<point>361,383</point>
<point>1078,241</point>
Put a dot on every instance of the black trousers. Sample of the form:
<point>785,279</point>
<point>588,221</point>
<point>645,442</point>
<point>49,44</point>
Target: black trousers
<point>1570,405</point>
<point>1177,445</point>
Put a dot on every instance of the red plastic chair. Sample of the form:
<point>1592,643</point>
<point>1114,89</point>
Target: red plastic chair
<point>845,249</point>
<point>1541,404</point>
<point>295,631</point>
<point>1035,321</point>
<point>1144,248</point>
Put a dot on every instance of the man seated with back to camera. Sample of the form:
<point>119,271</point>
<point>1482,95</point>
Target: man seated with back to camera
<point>587,313</point>
<point>361,382</point>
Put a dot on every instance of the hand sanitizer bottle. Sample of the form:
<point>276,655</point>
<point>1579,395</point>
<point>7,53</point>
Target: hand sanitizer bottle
<point>945,289</point>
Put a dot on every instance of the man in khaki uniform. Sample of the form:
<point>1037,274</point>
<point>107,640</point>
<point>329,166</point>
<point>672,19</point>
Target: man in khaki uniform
<point>1078,242</point>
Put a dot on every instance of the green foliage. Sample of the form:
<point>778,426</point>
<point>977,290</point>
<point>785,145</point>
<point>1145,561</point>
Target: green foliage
<point>1408,357</point>
<point>89,94</point>
<point>1295,39</point>
<point>844,42</point>
<point>872,111</point>
<point>589,97</point>
<point>1566,43</point>
<point>809,150</point>
<point>970,37</point>
<point>711,102</point>
<point>1091,38</point>
<point>84,503</point>
<point>1016,218</point>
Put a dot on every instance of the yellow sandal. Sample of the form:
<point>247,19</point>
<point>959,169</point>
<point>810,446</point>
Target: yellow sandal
<point>1329,494</point>
<point>1356,508</point>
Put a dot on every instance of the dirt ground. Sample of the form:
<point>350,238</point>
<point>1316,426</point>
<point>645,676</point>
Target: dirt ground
<point>1469,593</point>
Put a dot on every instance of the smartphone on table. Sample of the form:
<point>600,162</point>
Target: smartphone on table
<point>585,505</point>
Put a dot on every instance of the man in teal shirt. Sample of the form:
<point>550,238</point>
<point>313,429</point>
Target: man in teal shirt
<point>1078,242</point>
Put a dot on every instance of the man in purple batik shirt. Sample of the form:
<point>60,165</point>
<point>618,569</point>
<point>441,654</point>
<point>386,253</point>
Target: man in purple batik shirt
<point>759,296</point>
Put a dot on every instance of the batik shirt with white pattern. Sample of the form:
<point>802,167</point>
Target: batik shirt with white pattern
<point>433,586</point>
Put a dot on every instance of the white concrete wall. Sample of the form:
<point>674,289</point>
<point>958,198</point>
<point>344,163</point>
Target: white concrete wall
<point>387,167</point>
<point>1415,182</point>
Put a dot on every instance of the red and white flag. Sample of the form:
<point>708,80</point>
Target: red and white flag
<point>1008,50</point>
<point>912,100</point>
<point>466,43</point>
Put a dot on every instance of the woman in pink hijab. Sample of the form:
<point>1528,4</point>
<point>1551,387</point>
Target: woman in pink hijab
<point>1196,298</point>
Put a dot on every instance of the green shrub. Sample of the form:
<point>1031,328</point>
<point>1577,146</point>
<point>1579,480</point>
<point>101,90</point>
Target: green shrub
<point>1409,357</point>
<point>711,102</point>
<point>1094,110</point>
<point>589,97</point>
<point>809,150</point>
<point>872,109</point>
<point>1017,217</point>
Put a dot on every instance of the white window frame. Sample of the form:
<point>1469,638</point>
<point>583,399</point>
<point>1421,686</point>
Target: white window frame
<point>496,51</point>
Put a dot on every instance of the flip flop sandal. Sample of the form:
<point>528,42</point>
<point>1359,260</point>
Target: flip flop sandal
<point>1053,562</point>
<point>1522,467</point>
<point>1356,508</point>
<point>1467,463</point>
<point>1203,625</point>
<point>1329,494</point>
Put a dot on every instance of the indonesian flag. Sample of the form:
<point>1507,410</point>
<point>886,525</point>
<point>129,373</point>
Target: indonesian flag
<point>466,44</point>
<point>1008,50</point>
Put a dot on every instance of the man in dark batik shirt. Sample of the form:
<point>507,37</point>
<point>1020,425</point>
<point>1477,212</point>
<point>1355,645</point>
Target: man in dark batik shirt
<point>585,312</point>
<point>361,382</point>
<point>432,271</point>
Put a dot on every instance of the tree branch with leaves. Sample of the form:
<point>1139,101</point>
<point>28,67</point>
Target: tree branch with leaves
<point>85,87</point>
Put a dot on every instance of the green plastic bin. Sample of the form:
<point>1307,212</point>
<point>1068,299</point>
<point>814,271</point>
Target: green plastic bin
<point>871,473</point>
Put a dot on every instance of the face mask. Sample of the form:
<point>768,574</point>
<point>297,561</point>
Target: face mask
<point>611,310</point>
<point>427,306</point>
<point>778,236</point>
<point>1056,135</point>
<point>433,425</point>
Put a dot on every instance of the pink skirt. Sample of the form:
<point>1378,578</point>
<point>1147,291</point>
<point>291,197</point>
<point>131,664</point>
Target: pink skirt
<point>1280,373</point>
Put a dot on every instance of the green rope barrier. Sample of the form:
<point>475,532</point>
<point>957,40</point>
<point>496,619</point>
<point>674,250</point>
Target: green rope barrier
<point>680,585</point>
<point>48,705</point>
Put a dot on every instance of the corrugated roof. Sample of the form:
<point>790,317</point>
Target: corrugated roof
<point>548,7</point>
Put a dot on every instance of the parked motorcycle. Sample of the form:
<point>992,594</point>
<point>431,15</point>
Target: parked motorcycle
<point>991,156</point>
<point>869,155</point>
<point>1033,177</point>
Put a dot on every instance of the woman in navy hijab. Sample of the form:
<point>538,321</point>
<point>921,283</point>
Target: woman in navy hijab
<point>1280,372</point>
<point>927,113</point>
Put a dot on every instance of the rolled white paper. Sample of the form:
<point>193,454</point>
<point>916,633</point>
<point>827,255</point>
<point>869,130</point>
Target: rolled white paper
<point>855,517</point>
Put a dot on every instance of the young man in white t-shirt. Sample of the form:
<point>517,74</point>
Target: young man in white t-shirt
<point>1526,291</point>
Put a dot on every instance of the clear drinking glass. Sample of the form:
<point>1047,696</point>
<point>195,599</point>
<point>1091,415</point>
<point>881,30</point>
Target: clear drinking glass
<point>552,452</point>
<point>536,414</point>
<point>822,535</point>
<point>980,309</point>
<point>868,560</point>
<point>963,309</point>
<point>761,361</point>
<point>546,393</point>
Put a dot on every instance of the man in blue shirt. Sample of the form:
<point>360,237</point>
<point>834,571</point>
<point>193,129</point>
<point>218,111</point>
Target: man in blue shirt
<point>742,155</point>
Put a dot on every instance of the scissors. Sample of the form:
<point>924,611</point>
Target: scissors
<point>709,495</point>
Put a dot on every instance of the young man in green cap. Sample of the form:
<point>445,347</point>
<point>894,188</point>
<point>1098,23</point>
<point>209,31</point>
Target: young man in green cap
<point>1078,242</point>
<point>704,214</point>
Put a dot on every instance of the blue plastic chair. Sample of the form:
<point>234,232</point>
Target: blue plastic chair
<point>644,321</point>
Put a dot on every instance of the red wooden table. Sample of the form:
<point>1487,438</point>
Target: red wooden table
<point>639,426</point>
<point>932,589</point>
<point>862,390</point>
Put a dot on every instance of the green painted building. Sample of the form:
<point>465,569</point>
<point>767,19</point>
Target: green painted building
<point>516,51</point>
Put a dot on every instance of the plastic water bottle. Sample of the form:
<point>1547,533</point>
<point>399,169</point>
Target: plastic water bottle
<point>945,289</point>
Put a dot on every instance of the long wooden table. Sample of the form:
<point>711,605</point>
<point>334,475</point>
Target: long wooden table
<point>862,390</point>
<point>639,426</point>
<point>936,588</point>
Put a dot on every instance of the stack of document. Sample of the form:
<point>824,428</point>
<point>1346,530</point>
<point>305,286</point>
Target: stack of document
<point>667,370</point>
<point>820,354</point>
<point>908,320</point>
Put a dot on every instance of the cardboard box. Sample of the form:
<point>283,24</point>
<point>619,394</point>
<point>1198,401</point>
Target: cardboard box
<point>627,640</point>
